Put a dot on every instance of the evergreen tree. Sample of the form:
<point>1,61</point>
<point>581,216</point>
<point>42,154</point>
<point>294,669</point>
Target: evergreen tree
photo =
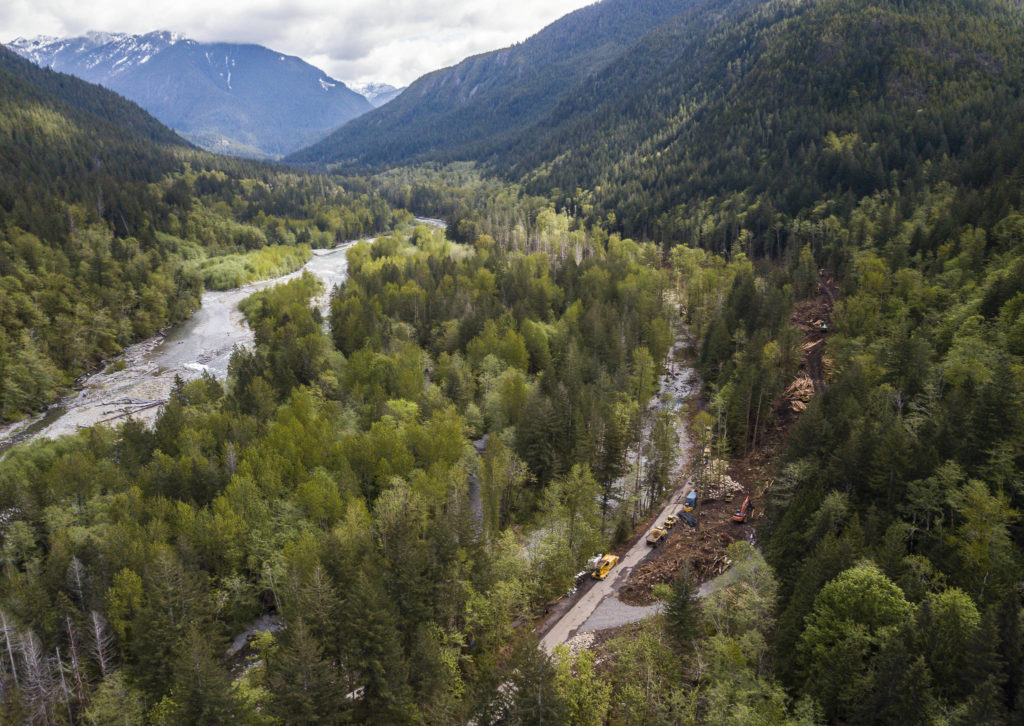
<point>373,651</point>
<point>532,696</point>
<point>304,686</point>
<point>200,688</point>
<point>682,619</point>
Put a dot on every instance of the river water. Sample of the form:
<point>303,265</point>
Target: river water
<point>203,343</point>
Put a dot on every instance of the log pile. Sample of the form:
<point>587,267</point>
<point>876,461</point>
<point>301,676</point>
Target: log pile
<point>717,484</point>
<point>129,406</point>
<point>799,393</point>
<point>704,550</point>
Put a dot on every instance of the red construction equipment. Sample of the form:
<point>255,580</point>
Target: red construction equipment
<point>741,516</point>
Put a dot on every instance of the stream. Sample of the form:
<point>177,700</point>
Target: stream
<point>203,343</point>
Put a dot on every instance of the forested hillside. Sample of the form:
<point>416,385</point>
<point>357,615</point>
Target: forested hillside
<point>106,217</point>
<point>740,114</point>
<point>67,140</point>
<point>474,109</point>
<point>888,184</point>
<point>733,112</point>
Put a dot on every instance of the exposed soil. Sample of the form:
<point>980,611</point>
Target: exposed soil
<point>813,318</point>
<point>703,547</point>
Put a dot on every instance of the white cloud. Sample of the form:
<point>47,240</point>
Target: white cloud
<point>394,41</point>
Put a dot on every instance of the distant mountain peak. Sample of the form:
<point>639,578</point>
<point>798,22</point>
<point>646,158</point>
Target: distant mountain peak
<point>115,52</point>
<point>242,98</point>
<point>100,37</point>
<point>376,93</point>
<point>22,42</point>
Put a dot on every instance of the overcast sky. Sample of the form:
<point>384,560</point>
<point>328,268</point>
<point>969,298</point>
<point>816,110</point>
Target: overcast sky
<point>394,41</point>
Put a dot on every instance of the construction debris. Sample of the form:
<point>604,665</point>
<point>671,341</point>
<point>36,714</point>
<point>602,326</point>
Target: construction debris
<point>581,642</point>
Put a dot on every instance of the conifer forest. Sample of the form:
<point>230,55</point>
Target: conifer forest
<point>770,252</point>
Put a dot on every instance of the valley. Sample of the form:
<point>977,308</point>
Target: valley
<point>139,381</point>
<point>280,446</point>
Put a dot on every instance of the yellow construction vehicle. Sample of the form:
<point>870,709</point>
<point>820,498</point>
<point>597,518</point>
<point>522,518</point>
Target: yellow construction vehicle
<point>669,522</point>
<point>657,535</point>
<point>604,566</point>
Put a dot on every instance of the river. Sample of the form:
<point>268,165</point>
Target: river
<point>202,343</point>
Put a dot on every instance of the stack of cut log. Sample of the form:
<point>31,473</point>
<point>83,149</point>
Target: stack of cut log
<point>799,393</point>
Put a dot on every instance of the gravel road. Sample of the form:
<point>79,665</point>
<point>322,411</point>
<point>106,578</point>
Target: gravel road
<point>599,608</point>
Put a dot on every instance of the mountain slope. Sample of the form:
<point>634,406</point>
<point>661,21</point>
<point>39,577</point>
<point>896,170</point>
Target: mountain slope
<point>65,140</point>
<point>742,112</point>
<point>478,105</point>
<point>736,100</point>
<point>242,99</point>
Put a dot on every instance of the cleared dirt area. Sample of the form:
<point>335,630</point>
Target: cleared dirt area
<point>813,318</point>
<point>703,547</point>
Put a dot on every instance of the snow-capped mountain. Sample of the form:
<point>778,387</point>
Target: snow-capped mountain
<point>376,93</point>
<point>102,55</point>
<point>227,97</point>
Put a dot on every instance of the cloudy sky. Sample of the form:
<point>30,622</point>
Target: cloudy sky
<point>394,41</point>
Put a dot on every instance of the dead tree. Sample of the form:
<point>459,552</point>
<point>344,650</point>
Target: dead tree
<point>64,687</point>
<point>8,631</point>
<point>37,684</point>
<point>78,678</point>
<point>76,579</point>
<point>101,643</point>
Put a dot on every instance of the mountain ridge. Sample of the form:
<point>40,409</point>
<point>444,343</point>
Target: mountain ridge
<point>722,100</point>
<point>873,72</point>
<point>238,98</point>
<point>477,105</point>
